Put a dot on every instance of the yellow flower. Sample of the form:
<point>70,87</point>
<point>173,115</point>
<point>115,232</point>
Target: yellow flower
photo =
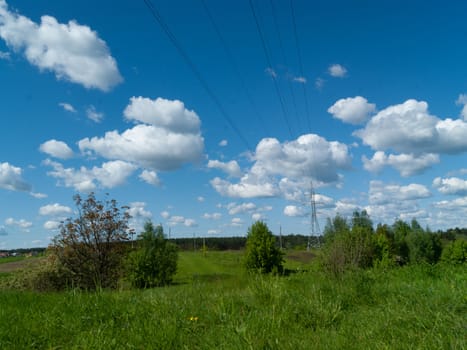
<point>193,318</point>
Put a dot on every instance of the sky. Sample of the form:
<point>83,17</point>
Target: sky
<point>206,116</point>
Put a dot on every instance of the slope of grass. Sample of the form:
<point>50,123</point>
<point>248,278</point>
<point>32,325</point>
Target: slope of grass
<point>215,306</point>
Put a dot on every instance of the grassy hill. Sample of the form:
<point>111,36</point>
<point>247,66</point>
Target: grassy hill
<point>215,305</point>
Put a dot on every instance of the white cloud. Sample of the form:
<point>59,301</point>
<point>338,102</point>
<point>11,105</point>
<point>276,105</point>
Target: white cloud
<point>55,209</point>
<point>165,214</point>
<point>223,143</point>
<point>200,199</point>
<point>57,149</point>
<point>319,83</point>
<point>190,223</point>
<point>212,216</point>
<point>236,222</point>
<point>380,193</point>
<point>67,107</point>
<point>301,80</point>
<point>293,211</point>
<point>150,177</point>
<point>231,168</point>
<point>235,209</point>
<point>452,185</point>
<point>72,51</point>
<point>23,224</point>
<point>337,71</point>
<point>353,110</point>
<point>109,175</point>
<point>172,140</point>
<point>38,195</point>
<point>52,225</point>
<point>406,164</point>
<point>138,210</point>
<point>308,157</point>
<point>257,216</point>
<point>94,115</point>
<point>181,220</point>
<point>409,128</point>
<point>462,100</point>
<point>10,178</point>
<point>166,114</point>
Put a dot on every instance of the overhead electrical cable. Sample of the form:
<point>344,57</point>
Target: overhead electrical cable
<point>268,59</point>
<point>157,16</point>
<point>284,58</point>
<point>299,54</point>
<point>234,66</point>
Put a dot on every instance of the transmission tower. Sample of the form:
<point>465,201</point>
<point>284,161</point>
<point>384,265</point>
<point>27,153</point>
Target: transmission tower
<point>315,231</point>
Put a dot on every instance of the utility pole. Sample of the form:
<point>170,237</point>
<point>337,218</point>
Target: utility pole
<point>315,231</point>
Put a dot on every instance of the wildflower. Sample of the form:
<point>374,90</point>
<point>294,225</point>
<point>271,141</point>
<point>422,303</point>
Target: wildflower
<point>194,318</point>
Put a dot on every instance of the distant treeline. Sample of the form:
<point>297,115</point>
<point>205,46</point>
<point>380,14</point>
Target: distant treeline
<point>291,241</point>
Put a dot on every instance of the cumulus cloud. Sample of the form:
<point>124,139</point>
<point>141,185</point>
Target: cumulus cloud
<point>406,164</point>
<point>353,110</point>
<point>231,168</point>
<point>381,193</point>
<point>235,209</point>
<point>236,222</point>
<point>23,224</point>
<point>67,107</point>
<point>73,52</point>
<point>294,211</point>
<point>150,177</point>
<point>171,139</point>
<point>94,115</point>
<point>55,209</point>
<point>57,149</point>
<point>452,186</point>
<point>10,178</point>
<point>165,214</point>
<point>409,128</point>
<point>4,55</point>
<point>200,199</point>
<point>109,175</point>
<point>212,216</point>
<point>337,71</point>
<point>308,157</point>
<point>52,225</point>
<point>223,143</point>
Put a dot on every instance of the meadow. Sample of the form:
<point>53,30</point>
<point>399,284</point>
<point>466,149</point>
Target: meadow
<point>215,304</point>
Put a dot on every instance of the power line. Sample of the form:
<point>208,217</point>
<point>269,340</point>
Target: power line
<point>284,58</point>
<point>268,59</point>
<point>300,63</point>
<point>157,16</point>
<point>234,65</point>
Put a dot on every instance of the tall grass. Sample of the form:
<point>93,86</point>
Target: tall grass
<point>214,305</point>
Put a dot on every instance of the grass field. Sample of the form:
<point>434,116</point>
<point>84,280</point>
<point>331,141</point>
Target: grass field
<point>215,305</point>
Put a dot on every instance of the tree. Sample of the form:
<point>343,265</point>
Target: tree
<point>262,255</point>
<point>154,263</point>
<point>90,247</point>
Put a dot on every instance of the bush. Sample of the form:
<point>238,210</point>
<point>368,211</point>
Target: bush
<point>455,253</point>
<point>90,247</point>
<point>154,263</point>
<point>262,255</point>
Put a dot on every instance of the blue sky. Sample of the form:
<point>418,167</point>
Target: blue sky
<point>366,100</point>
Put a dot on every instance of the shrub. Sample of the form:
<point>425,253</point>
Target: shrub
<point>154,263</point>
<point>90,247</point>
<point>262,255</point>
<point>455,253</point>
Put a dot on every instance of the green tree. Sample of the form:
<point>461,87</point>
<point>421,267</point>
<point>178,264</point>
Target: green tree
<point>455,252</point>
<point>261,252</point>
<point>154,263</point>
<point>89,247</point>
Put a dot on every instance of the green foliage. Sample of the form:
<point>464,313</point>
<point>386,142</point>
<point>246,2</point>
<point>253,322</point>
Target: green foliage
<point>261,252</point>
<point>349,247</point>
<point>90,247</point>
<point>154,263</point>
<point>455,253</point>
<point>422,306</point>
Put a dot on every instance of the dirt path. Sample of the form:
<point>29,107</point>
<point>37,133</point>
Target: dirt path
<point>16,265</point>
